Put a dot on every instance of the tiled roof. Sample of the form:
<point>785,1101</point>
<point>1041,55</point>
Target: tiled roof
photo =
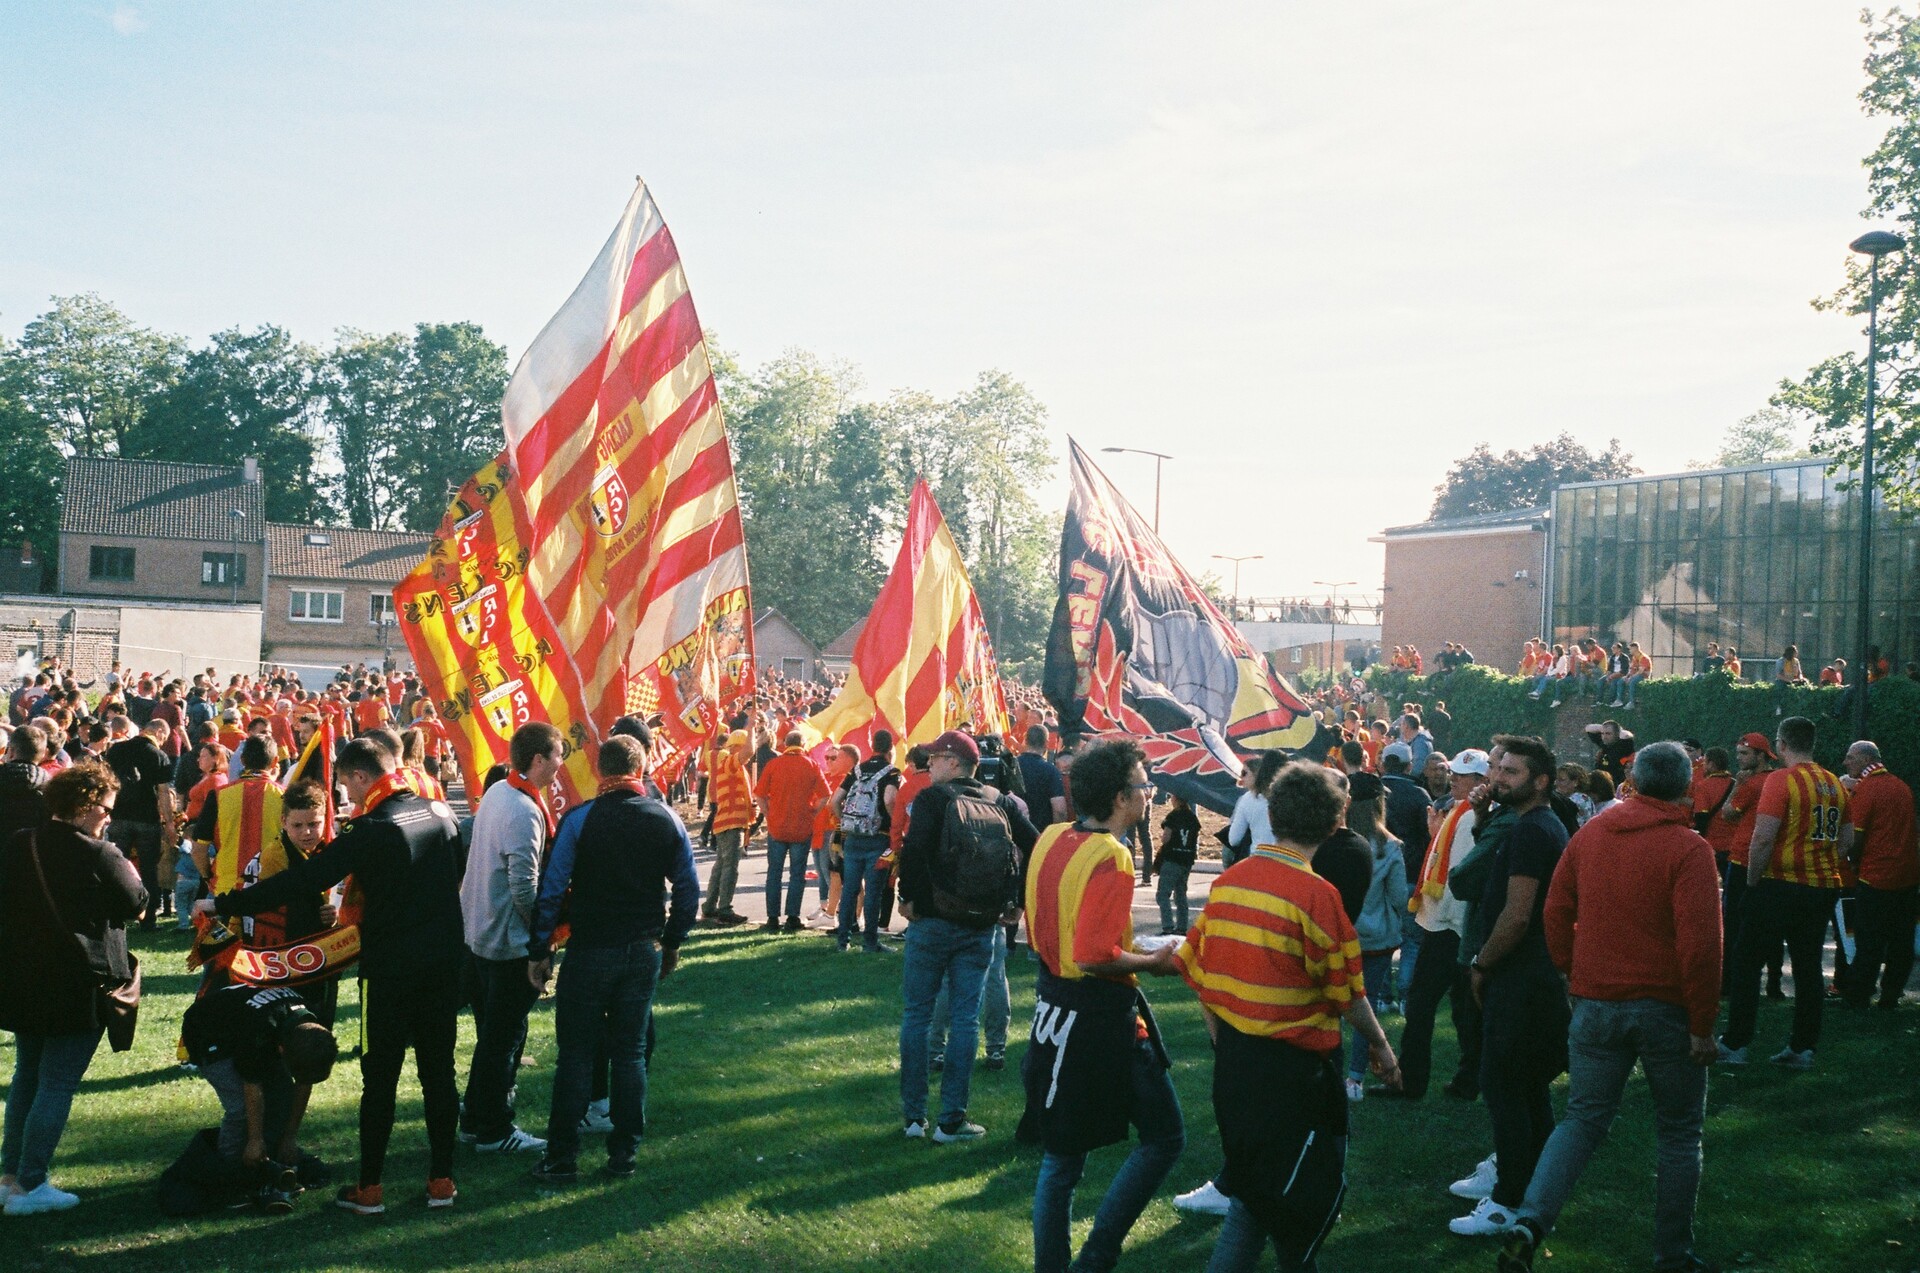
<point>842,645</point>
<point>154,499</point>
<point>1476,521</point>
<point>372,556</point>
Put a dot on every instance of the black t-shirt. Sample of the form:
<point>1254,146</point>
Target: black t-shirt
<point>1531,848</point>
<point>1346,862</point>
<point>1181,836</point>
<point>142,769</point>
<point>1611,757</point>
<point>242,1024</point>
<point>1715,663</point>
<point>872,765</point>
<point>1041,777</point>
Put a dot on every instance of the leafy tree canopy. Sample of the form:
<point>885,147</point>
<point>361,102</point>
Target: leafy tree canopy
<point>1483,482</point>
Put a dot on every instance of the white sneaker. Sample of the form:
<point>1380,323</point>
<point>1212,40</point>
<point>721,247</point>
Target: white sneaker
<point>42,1197</point>
<point>1787,1059</point>
<point>1207,1200</point>
<point>1356,1090</point>
<point>1487,1220</point>
<point>917,1129</point>
<point>1729,1056</point>
<point>1479,1185</point>
<point>514,1142</point>
<point>595,1122</point>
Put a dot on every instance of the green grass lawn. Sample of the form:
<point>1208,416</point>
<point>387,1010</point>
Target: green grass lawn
<point>774,1143</point>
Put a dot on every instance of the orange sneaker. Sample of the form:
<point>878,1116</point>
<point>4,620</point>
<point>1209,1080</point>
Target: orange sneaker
<point>440,1192</point>
<point>360,1199</point>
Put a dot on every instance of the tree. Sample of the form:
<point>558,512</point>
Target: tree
<point>1765,437</point>
<point>88,372</point>
<point>456,379</point>
<point>245,394</point>
<point>29,498</point>
<point>1831,395</point>
<point>1483,482</point>
<point>365,382</point>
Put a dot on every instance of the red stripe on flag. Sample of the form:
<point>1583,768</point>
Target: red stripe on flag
<point>650,264</point>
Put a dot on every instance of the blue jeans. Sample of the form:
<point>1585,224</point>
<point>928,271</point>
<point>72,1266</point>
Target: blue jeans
<point>939,951</point>
<point>1376,969</point>
<point>1163,1134</point>
<point>1172,893</point>
<point>860,879</point>
<point>1631,683</point>
<point>1605,1040</point>
<point>186,887</point>
<point>820,873</point>
<point>600,988</point>
<point>996,1004</point>
<point>1411,935</point>
<point>795,852</point>
<point>1242,1239</point>
<point>47,1070</point>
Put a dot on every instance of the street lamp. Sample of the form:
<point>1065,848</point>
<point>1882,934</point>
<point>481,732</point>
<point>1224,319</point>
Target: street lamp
<point>1158,460</point>
<point>1336,587</point>
<point>1873,245</point>
<point>1236,575</point>
<point>233,565</point>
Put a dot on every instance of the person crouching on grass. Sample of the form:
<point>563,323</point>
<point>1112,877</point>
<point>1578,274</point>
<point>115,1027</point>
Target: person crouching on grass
<point>1276,964</point>
<point>262,1049</point>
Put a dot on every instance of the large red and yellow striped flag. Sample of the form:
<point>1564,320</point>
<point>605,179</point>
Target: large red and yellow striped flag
<point>924,664</point>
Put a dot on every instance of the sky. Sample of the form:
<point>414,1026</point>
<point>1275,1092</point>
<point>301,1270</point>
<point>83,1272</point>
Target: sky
<point>1315,252</point>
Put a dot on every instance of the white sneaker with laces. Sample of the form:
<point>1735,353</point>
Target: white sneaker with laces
<point>42,1197</point>
<point>514,1142</point>
<point>962,1130</point>
<point>1487,1220</point>
<point>1207,1200</point>
<point>1356,1090</point>
<point>1787,1059</point>
<point>595,1122</point>
<point>1479,1185</point>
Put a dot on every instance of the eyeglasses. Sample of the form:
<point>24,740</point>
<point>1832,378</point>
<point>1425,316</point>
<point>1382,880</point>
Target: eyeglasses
<point>1145,788</point>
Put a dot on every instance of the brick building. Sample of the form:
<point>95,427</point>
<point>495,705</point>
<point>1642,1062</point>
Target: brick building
<point>1477,580</point>
<point>330,594</point>
<point>154,530</point>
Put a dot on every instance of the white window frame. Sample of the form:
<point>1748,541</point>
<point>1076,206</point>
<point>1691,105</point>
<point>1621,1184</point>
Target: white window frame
<point>375,608</point>
<point>302,600</point>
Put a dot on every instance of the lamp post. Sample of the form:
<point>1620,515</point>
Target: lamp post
<point>236,516</point>
<point>1236,576</point>
<point>1873,245</point>
<point>1158,460</point>
<point>1331,597</point>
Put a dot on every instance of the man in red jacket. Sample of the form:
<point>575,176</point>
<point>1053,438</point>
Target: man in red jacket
<point>789,794</point>
<point>1633,919</point>
<point>1888,862</point>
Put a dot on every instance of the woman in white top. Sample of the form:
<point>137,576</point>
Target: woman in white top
<point>1250,826</point>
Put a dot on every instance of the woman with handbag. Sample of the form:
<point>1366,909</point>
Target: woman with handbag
<point>66,895</point>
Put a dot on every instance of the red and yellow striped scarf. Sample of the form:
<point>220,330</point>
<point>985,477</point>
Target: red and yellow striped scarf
<point>1433,876</point>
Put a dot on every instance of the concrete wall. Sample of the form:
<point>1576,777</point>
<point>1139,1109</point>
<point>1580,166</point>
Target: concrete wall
<point>163,570</point>
<point>188,638</point>
<point>1461,586</point>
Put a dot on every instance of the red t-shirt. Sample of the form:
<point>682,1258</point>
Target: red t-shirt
<point>1739,835</point>
<point>793,790</point>
<point>370,712</point>
<point>1882,811</point>
<point>1707,790</point>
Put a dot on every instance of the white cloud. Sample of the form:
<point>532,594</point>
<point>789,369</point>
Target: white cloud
<point>126,20</point>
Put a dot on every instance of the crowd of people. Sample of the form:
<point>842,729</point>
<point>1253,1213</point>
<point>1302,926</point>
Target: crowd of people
<point>1577,919</point>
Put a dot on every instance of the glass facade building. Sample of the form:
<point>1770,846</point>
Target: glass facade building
<point>1754,558</point>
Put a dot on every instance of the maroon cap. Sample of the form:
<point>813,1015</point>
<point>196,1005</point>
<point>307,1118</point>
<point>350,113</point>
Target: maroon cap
<point>955,743</point>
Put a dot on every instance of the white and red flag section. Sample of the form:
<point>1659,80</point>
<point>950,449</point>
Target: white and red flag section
<point>598,565</point>
<point>924,664</point>
<point>1137,650</point>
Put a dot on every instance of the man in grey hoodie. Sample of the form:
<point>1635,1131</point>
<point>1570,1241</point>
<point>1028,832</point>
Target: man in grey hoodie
<point>511,829</point>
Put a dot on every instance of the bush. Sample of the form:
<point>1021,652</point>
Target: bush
<point>1482,701</point>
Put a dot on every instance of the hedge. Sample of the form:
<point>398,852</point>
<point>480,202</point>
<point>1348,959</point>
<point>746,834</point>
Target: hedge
<point>1717,710</point>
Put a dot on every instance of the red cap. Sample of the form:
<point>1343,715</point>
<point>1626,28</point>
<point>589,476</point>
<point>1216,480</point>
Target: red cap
<point>955,743</point>
<point>1760,743</point>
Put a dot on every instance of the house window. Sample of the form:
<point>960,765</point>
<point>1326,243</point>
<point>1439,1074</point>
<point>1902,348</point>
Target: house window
<point>223,569</point>
<point>380,608</point>
<point>114,564</point>
<point>793,669</point>
<point>314,605</point>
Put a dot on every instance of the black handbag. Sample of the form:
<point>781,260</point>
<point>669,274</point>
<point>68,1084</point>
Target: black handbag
<point>117,1006</point>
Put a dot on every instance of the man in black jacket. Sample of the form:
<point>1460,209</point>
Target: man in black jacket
<point>22,802</point>
<point>938,943</point>
<point>403,853</point>
<point>612,861</point>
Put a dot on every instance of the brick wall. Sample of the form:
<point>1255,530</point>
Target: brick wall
<point>1461,587</point>
<point>84,637</point>
<point>163,570</point>
<point>355,639</point>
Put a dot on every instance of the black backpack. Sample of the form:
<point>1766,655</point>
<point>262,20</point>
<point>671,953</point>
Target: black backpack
<point>976,870</point>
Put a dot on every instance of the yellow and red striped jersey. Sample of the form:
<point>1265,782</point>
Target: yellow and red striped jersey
<point>1079,900</point>
<point>728,790</point>
<point>247,849</point>
<point>1274,953</point>
<point>1812,806</point>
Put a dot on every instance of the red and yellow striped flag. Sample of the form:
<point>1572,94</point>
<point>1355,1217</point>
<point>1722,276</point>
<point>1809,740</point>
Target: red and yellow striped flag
<point>924,664</point>
<point>598,565</point>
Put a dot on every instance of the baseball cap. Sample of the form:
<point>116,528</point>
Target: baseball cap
<point>1759,742</point>
<point>1470,761</point>
<point>955,743</point>
<point>738,738</point>
<point>1401,750</point>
